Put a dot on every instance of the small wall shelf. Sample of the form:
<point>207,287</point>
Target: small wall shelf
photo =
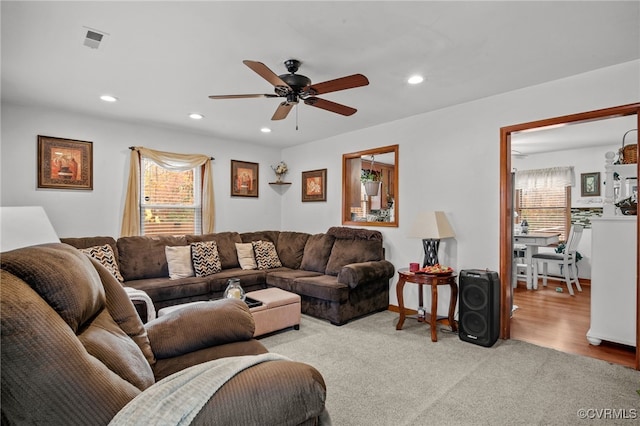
<point>279,183</point>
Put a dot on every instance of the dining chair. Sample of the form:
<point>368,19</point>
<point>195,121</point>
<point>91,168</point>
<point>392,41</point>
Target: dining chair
<point>519,267</point>
<point>566,261</point>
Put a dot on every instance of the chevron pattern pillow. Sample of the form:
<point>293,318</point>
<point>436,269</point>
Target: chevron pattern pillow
<point>205,258</point>
<point>105,255</point>
<point>266,255</point>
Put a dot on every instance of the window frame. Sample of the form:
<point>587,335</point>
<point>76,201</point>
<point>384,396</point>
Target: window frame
<point>196,206</point>
<point>567,212</point>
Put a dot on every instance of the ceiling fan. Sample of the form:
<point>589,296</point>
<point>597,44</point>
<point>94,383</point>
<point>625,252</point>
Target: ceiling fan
<point>295,87</point>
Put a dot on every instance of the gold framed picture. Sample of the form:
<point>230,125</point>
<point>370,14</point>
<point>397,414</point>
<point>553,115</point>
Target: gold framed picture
<point>244,179</point>
<point>314,185</point>
<point>64,163</point>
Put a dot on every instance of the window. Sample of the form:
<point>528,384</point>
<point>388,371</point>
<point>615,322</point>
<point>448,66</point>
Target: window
<point>170,201</point>
<point>545,209</point>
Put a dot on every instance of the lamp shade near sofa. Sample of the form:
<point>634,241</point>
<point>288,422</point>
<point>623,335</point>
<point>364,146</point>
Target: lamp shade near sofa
<point>25,226</point>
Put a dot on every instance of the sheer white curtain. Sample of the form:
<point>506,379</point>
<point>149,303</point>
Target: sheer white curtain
<point>545,178</point>
<point>171,161</point>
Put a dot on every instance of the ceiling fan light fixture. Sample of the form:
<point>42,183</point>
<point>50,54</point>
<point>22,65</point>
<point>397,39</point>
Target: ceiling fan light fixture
<point>265,130</point>
<point>415,79</point>
<point>196,116</point>
<point>109,98</point>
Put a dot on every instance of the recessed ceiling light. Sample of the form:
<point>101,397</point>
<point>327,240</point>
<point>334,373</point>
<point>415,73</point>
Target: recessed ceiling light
<point>196,116</point>
<point>108,98</point>
<point>265,130</point>
<point>415,79</point>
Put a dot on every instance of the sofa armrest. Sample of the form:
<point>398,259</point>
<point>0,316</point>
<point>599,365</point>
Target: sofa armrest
<point>200,326</point>
<point>358,273</point>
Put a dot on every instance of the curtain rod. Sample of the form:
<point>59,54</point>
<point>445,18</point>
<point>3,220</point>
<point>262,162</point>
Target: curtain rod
<point>133,147</point>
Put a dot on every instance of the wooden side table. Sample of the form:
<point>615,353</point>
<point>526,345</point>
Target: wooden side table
<point>434,281</point>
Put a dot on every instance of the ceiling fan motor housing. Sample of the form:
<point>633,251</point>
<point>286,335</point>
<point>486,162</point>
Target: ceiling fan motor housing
<point>296,81</point>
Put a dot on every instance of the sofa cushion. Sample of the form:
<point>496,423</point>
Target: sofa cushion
<point>163,289</point>
<point>86,242</point>
<point>324,287</point>
<point>106,257</point>
<point>68,282</point>
<point>249,279</point>
<point>205,258</point>
<point>290,246</point>
<point>266,255</point>
<point>345,252</point>
<point>284,277</point>
<point>248,237</point>
<point>316,252</point>
<point>144,257</point>
<point>64,278</point>
<point>226,242</point>
<point>246,256</point>
<point>48,377</point>
<point>179,262</point>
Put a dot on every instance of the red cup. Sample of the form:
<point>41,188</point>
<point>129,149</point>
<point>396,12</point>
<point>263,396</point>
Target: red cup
<point>413,267</point>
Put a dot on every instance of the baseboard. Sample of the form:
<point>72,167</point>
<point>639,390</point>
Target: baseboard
<point>584,282</point>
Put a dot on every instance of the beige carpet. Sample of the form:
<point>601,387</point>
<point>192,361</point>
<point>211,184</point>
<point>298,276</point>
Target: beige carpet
<point>376,375</point>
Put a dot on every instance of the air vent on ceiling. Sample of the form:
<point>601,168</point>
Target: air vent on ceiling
<point>93,39</point>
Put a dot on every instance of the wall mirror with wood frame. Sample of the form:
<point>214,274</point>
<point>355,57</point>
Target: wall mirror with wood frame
<point>370,204</point>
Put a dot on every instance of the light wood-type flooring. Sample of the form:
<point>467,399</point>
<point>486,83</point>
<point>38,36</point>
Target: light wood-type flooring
<point>560,321</point>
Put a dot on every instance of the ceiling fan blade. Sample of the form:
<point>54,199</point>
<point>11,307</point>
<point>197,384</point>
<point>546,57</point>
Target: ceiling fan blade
<point>282,111</point>
<point>263,71</point>
<point>330,106</point>
<point>266,95</point>
<point>343,83</point>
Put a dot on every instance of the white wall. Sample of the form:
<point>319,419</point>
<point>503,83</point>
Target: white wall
<point>99,212</point>
<point>449,160</point>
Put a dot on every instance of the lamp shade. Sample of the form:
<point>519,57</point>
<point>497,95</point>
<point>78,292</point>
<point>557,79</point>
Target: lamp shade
<point>25,226</point>
<point>431,224</point>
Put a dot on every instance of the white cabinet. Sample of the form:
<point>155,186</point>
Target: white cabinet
<point>613,280</point>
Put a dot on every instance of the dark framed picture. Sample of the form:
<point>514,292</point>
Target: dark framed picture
<point>590,184</point>
<point>314,185</point>
<point>244,179</point>
<point>64,163</point>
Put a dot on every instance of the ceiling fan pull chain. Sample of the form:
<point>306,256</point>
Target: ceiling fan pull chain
<point>297,116</point>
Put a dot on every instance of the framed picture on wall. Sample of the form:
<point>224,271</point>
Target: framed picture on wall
<point>590,184</point>
<point>64,163</point>
<point>244,179</point>
<point>314,185</point>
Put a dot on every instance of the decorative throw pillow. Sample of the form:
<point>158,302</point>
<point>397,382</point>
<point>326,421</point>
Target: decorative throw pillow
<point>205,258</point>
<point>245,256</point>
<point>179,261</point>
<point>266,255</point>
<point>105,255</point>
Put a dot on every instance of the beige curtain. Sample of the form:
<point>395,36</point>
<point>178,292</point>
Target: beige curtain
<point>545,178</point>
<point>171,161</point>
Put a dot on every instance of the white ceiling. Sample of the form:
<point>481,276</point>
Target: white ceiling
<point>163,59</point>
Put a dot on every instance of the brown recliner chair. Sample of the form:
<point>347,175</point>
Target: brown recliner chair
<point>75,352</point>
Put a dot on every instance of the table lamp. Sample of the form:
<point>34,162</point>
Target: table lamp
<point>25,226</point>
<point>431,226</point>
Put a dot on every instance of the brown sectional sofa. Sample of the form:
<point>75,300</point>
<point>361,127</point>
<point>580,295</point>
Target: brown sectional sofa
<point>74,352</point>
<point>340,275</point>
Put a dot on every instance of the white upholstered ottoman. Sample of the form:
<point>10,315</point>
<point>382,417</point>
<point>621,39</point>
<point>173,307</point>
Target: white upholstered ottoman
<point>279,310</point>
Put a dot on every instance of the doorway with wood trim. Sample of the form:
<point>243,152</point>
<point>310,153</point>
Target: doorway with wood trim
<point>506,206</point>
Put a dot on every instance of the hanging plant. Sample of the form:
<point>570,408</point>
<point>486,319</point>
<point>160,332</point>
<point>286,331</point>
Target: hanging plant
<point>370,175</point>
